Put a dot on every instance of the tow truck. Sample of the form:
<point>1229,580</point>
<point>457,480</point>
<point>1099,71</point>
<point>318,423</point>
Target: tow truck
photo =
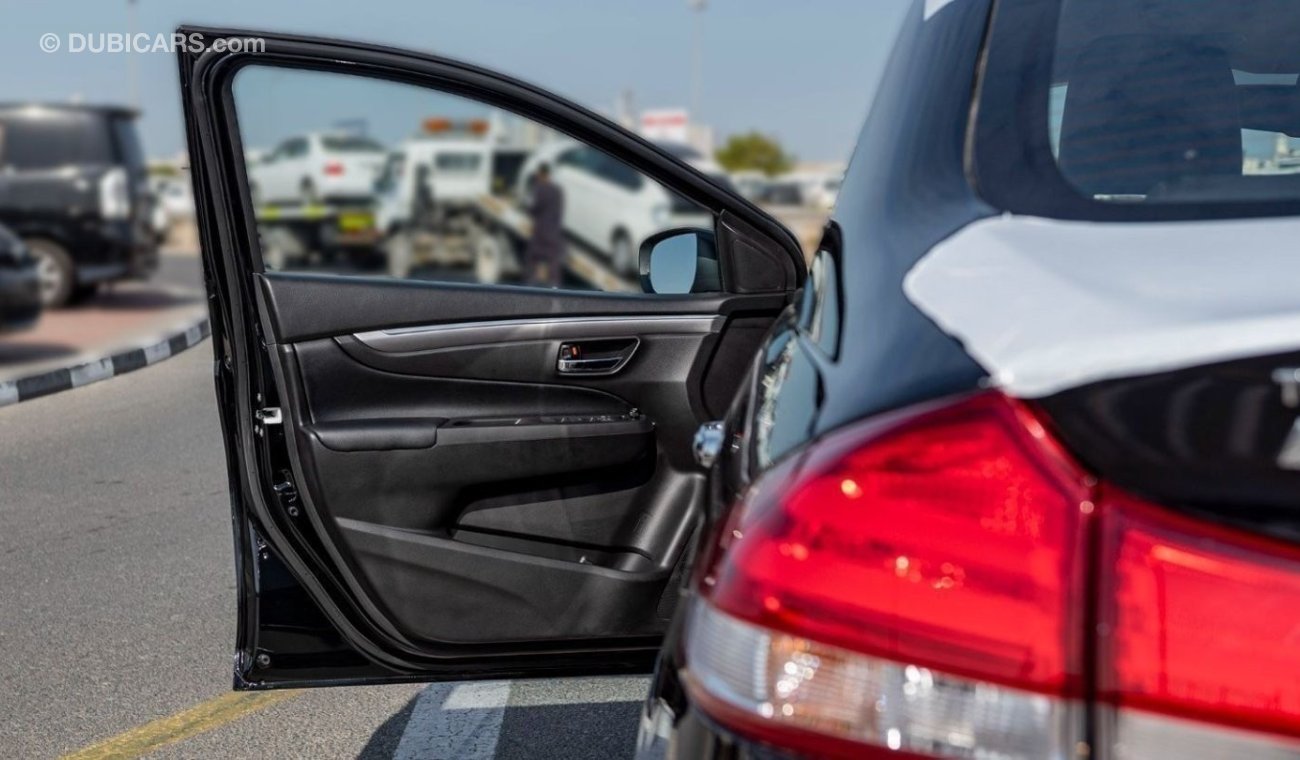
<point>441,201</point>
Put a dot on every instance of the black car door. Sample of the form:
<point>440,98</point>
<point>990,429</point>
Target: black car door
<point>449,472</point>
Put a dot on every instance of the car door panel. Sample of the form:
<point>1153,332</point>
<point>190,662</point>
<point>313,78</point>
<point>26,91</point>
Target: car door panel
<point>421,490</point>
<point>453,459</point>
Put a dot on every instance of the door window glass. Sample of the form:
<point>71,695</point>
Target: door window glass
<point>420,184</point>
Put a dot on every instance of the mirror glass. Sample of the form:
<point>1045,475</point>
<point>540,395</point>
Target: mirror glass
<point>673,262</point>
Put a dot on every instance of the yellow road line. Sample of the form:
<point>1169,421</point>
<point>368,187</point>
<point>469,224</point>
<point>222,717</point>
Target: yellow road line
<point>203,717</point>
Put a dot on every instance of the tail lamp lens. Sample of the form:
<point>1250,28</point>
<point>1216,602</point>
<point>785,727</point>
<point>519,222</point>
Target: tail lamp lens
<point>914,585</point>
<point>114,194</point>
<point>922,585</point>
<point>1199,622</point>
<point>828,701</point>
<point>952,540</point>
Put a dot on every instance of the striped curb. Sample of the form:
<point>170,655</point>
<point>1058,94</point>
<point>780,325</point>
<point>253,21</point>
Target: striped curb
<point>84,373</point>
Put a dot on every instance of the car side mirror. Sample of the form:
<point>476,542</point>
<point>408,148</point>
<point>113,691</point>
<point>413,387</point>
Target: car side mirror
<point>683,260</point>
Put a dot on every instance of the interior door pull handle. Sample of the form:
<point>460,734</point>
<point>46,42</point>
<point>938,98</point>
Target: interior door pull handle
<point>603,364</point>
<point>594,357</point>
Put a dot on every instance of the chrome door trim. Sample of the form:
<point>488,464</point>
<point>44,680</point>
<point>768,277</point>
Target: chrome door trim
<point>434,337</point>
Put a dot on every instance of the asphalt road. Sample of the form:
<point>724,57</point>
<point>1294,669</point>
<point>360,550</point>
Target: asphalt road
<point>117,601</point>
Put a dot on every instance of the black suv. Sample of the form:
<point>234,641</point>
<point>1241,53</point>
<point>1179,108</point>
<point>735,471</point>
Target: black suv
<point>72,185</point>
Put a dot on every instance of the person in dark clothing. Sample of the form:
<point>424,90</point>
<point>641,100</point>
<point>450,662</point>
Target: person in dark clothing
<point>544,256</point>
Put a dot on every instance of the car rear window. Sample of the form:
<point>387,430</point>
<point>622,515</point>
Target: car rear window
<point>1177,101</point>
<point>350,144</point>
<point>54,140</point>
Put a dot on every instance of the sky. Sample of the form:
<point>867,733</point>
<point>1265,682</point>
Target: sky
<point>802,71</point>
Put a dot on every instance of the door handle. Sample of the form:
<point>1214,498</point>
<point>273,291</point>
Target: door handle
<point>604,364</point>
<point>597,357</point>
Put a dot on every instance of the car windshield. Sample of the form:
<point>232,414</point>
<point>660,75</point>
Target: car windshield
<point>350,144</point>
<point>1175,101</point>
<point>53,139</point>
<point>391,174</point>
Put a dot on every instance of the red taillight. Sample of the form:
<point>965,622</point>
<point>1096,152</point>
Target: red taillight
<point>1199,621</point>
<point>931,565</point>
<point>946,583</point>
<point>334,169</point>
<point>952,540</point>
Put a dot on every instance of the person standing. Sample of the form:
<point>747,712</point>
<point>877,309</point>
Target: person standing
<point>544,256</point>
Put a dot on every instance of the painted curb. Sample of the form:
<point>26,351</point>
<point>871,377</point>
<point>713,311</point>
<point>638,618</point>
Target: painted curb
<point>174,341</point>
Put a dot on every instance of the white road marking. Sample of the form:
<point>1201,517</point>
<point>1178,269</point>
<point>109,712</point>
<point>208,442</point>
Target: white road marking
<point>464,720</point>
<point>8,393</point>
<point>455,721</point>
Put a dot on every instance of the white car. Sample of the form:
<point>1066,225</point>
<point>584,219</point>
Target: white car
<point>318,167</point>
<point>611,206</point>
<point>174,196</point>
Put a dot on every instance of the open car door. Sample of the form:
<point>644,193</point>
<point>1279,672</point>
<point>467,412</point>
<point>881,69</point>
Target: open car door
<point>459,433</point>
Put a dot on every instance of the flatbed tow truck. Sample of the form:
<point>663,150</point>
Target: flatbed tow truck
<point>487,237</point>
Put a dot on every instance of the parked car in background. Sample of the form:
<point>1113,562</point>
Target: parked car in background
<point>749,182</point>
<point>823,192</point>
<point>610,206</point>
<point>20,290</point>
<point>782,192</point>
<point>321,167</point>
<point>73,187</point>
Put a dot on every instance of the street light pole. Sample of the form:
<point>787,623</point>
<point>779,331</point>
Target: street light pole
<point>696,56</point>
<point>132,63</point>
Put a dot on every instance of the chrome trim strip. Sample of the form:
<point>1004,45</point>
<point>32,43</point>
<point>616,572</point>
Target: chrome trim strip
<point>435,337</point>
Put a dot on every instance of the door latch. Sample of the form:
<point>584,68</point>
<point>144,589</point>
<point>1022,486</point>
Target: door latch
<point>286,494</point>
<point>269,415</point>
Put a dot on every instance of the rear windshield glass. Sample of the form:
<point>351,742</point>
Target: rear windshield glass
<point>51,141</point>
<point>1177,101</point>
<point>347,144</point>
